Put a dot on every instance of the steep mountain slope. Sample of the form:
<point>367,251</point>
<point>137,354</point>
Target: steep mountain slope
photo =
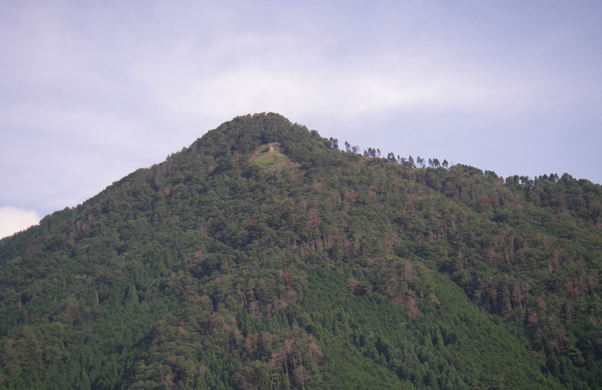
<point>261,257</point>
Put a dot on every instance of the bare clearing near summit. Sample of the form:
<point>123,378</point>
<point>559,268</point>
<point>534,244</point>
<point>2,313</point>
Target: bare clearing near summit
<point>271,158</point>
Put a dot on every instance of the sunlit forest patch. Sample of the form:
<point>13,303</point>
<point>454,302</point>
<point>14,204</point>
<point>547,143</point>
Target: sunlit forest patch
<point>271,158</point>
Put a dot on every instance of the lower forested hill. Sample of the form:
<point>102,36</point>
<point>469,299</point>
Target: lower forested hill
<point>262,257</point>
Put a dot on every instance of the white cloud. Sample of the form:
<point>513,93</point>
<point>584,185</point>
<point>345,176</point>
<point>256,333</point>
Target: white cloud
<point>13,220</point>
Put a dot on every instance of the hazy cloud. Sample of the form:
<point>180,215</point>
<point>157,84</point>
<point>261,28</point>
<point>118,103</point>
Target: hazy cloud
<point>91,91</point>
<point>14,220</point>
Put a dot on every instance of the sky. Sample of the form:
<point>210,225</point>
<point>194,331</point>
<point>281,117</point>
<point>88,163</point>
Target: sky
<point>93,90</point>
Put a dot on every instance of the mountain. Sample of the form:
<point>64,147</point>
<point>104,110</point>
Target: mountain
<point>262,257</point>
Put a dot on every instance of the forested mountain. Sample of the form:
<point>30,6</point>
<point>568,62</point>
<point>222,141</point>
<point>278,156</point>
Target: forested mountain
<point>263,257</point>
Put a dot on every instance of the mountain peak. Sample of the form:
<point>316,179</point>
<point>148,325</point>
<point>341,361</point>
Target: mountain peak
<point>262,257</point>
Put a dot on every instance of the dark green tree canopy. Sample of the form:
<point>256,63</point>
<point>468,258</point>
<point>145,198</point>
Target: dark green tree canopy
<point>263,257</point>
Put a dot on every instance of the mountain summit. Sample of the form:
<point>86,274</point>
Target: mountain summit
<point>263,257</point>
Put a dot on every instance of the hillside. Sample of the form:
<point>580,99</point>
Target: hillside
<point>262,257</point>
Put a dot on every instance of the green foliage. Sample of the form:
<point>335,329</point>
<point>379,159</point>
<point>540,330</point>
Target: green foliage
<point>271,158</point>
<point>263,257</point>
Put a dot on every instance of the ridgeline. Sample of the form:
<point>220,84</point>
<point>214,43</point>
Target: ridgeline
<point>263,257</point>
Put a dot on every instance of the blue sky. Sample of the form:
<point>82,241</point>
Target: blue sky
<point>91,91</point>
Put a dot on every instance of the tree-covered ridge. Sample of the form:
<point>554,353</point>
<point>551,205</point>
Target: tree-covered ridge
<point>318,268</point>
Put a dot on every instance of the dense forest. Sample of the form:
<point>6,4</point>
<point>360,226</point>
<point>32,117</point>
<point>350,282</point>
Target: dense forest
<point>264,256</point>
